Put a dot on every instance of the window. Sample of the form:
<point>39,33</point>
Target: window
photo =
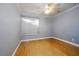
<point>30,26</point>
<point>31,21</point>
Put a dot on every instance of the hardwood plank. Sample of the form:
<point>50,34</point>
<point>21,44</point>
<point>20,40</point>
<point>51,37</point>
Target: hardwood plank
<point>46,47</point>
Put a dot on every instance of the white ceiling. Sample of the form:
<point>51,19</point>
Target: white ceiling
<point>36,9</point>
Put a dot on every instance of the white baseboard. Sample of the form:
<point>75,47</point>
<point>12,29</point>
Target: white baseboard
<point>16,49</point>
<point>74,44</point>
<point>52,37</point>
<point>35,39</point>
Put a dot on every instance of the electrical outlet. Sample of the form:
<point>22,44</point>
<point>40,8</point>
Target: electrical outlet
<point>72,39</point>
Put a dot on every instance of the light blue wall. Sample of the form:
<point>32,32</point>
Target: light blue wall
<point>9,28</point>
<point>44,29</point>
<point>66,25</point>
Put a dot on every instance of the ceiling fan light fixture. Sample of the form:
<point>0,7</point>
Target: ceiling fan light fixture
<point>49,8</point>
<point>47,11</point>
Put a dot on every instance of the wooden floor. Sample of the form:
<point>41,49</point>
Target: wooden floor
<point>46,47</point>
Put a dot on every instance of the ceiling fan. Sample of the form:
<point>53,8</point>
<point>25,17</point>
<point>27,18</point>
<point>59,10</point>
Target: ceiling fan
<point>50,7</point>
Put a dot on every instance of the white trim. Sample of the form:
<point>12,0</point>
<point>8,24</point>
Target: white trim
<point>67,10</point>
<point>35,39</point>
<point>74,44</point>
<point>16,49</point>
